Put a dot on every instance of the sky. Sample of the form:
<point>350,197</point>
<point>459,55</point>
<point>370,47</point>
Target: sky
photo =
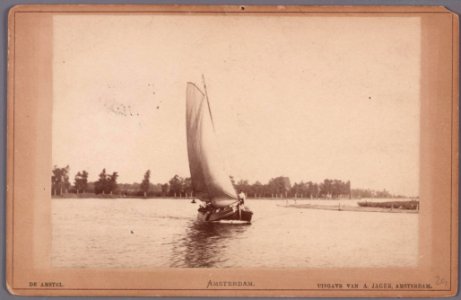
<point>302,96</point>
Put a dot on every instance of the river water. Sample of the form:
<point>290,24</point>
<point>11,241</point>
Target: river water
<point>136,233</point>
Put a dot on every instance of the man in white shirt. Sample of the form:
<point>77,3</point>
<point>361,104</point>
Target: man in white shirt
<point>242,197</point>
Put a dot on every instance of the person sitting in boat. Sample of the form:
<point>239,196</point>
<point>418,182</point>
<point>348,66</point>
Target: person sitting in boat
<point>205,208</point>
<point>242,197</point>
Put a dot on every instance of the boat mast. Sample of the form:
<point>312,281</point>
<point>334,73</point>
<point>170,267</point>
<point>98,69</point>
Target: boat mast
<point>207,100</point>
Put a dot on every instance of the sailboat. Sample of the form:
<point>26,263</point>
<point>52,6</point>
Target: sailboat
<point>210,181</point>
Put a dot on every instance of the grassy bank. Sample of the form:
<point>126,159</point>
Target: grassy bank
<point>410,205</point>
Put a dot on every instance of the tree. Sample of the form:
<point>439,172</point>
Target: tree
<point>60,180</point>
<point>156,189</point>
<point>66,183</point>
<point>176,185</point>
<point>336,188</point>
<point>101,185</point>
<point>258,189</point>
<point>271,188</point>
<point>348,189</point>
<point>106,184</point>
<point>112,183</point>
<point>81,181</point>
<point>315,190</point>
<point>145,185</point>
<point>325,188</point>
<point>280,186</point>
<point>297,189</point>
<point>188,189</point>
<point>165,189</point>
<point>84,180</point>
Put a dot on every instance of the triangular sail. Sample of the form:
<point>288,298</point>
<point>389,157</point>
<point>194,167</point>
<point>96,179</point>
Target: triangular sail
<point>210,180</point>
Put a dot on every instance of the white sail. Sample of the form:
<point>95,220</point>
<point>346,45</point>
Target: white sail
<point>210,180</point>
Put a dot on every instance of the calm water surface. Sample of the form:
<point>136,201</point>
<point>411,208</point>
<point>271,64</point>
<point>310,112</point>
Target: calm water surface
<point>123,233</point>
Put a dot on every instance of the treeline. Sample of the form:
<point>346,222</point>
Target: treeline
<point>280,187</point>
<point>107,185</point>
<point>177,186</point>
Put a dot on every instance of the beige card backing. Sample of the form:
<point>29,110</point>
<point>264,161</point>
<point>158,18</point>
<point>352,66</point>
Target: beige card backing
<point>30,98</point>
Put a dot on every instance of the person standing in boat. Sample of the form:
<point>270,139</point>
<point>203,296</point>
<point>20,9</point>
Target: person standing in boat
<point>242,197</point>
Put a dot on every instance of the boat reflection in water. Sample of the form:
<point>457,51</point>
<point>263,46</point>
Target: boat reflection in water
<point>205,244</point>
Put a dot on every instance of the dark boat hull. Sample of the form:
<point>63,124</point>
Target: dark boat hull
<point>240,214</point>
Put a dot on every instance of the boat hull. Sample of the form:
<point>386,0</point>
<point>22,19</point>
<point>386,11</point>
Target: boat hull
<point>227,214</point>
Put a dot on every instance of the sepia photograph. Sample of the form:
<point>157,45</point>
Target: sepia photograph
<point>208,140</point>
<point>204,121</point>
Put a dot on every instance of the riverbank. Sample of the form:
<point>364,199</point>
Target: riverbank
<point>342,207</point>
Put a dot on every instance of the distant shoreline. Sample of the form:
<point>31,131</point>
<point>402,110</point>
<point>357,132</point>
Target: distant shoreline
<point>109,196</point>
<point>381,207</point>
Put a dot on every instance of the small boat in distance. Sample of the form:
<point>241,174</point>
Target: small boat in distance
<point>210,181</point>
